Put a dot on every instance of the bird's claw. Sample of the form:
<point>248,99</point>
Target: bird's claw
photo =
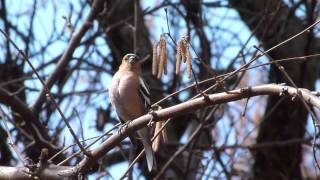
<point>123,127</point>
<point>150,123</point>
<point>153,114</point>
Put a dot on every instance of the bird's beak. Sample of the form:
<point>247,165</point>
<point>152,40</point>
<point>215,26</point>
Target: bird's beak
<point>132,59</point>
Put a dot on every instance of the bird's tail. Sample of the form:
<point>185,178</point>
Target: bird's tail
<point>151,162</point>
<point>149,156</point>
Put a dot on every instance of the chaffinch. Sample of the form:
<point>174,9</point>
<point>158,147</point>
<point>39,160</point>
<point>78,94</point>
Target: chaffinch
<point>131,99</point>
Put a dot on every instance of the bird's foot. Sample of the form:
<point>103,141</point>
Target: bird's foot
<point>154,115</point>
<point>123,127</point>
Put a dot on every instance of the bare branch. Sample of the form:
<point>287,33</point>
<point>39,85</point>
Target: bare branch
<point>67,55</point>
<point>191,105</point>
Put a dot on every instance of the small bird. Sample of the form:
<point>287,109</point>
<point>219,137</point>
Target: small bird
<point>131,99</point>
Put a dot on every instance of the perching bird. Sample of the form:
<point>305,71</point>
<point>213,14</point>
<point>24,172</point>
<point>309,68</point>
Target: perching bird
<point>131,99</point>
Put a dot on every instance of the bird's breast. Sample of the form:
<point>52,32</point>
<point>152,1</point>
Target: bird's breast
<point>124,97</point>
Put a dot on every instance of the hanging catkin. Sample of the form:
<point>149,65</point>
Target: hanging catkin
<point>188,61</point>
<point>155,60</point>
<point>162,56</point>
<point>183,46</point>
<point>178,59</point>
<point>165,70</point>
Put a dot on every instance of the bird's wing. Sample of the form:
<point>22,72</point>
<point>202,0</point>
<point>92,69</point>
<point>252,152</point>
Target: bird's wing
<point>144,93</point>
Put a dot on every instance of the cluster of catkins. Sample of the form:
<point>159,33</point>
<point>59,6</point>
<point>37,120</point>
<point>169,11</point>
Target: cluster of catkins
<point>159,57</point>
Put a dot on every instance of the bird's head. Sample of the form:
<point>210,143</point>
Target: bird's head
<point>132,62</point>
<point>131,59</point>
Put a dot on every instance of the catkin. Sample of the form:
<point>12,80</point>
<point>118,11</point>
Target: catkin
<point>183,49</point>
<point>183,53</point>
<point>165,70</point>
<point>164,133</point>
<point>156,142</point>
<point>178,60</point>
<point>155,59</point>
<point>188,61</point>
<point>162,56</point>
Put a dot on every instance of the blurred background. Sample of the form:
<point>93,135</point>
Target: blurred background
<point>77,52</point>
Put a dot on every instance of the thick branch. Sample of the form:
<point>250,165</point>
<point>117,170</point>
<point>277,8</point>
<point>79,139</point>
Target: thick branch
<point>219,98</point>
<point>83,167</point>
<point>51,172</point>
<point>16,104</point>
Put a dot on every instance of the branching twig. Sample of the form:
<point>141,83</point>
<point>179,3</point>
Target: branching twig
<point>143,150</point>
<point>315,119</point>
<point>47,92</point>
<point>191,105</point>
<point>4,120</point>
<point>67,55</point>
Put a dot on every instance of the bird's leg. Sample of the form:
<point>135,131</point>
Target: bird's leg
<point>123,126</point>
<point>154,115</point>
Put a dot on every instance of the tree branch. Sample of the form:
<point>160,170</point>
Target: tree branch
<point>16,104</point>
<point>51,172</point>
<point>67,55</point>
<point>32,124</point>
<point>191,105</point>
<point>83,167</point>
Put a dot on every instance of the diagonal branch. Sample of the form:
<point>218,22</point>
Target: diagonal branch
<point>16,104</point>
<point>51,172</point>
<point>84,166</point>
<point>67,55</point>
<point>32,124</point>
<point>191,105</point>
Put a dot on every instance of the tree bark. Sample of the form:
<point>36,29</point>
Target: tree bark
<point>288,120</point>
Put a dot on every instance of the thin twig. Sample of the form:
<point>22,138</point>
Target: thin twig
<point>135,31</point>
<point>47,92</point>
<point>143,150</point>
<point>192,105</point>
<point>293,37</point>
<point>74,42</point>
<point>89,145</point>
<point>175,43</point>
<point>68,147</point>
<point>300,58</point>
<point>177,153</point>
<point>12,145</point>
<point>80,123</point>
<point>315,119</point>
